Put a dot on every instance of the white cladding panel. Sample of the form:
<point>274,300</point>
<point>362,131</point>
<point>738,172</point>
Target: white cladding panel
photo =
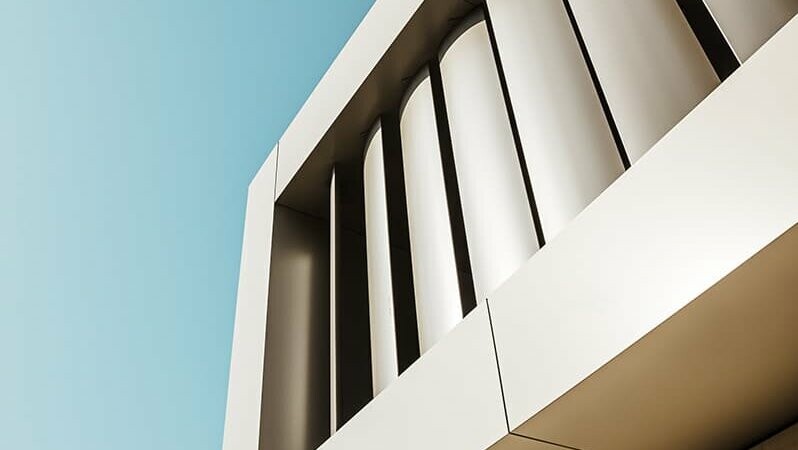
<point>242,422</point>
<point>448,399</point>
<point>498,222</point>
<point>438,306</point>
<point>609,277</point>
<point>384,362</point>
<point>650,65</point>
<point>748,24</point>
<point>570,152</point>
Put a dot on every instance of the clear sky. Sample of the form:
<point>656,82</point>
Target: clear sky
<point>129,130</point>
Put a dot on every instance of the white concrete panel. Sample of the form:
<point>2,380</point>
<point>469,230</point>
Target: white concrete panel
<point>384,359</point>
<point>448,399</point>
<point>570,152</point>
<point>650,65</point>
<point>748,24</point>
<point>357,59</point>
<point>333,311</point>
<point>242,422</point>
<point>658,237</point>
<point>498,222</point>
<point>437,294</point>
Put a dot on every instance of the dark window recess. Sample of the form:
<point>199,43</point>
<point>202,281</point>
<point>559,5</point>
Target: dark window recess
<point>352,340</point>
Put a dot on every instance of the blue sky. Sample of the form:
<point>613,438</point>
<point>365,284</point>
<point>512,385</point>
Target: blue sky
<point>129,131</point>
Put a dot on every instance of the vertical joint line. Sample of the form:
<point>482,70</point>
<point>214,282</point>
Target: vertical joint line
<point>519,150</point>
<point>498,367</point>
<point>605,106</point>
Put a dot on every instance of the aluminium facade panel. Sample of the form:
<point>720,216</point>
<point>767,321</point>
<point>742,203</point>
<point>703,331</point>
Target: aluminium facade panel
<point>658,237</point>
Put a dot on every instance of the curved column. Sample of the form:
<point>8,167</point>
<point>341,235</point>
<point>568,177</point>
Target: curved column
<point>384,358</point>
<point>570,152</point>
<point>498,221</point>
<point>649,63</point>
<point>435,277</point>
<point>749,24</point>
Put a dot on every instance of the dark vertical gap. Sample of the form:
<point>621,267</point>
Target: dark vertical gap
<point>519,150</point>
<point>465,279</point>
<point>709,35</point>
<point>404,302</point>
<point>605,106</point>
<point>353,335</point>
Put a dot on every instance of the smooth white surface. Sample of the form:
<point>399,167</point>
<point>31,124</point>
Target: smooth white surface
<point>651,67</point>
<point>333,312</point>
<point>658,237</point>
<point>498,221</point>
<point>569,149</point>
<point>748,24</point>
<point>384,362</point>
<point>448,399</point>
<point>437,293</point>
<point>242,421</point>
<point>357,59</point>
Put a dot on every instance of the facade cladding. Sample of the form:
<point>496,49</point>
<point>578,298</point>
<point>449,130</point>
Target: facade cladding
<point>519,224</point>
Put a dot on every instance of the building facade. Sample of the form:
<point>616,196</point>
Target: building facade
<point>528,224</point>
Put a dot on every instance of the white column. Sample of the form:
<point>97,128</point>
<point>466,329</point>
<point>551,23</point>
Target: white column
<point>384,360</point>
<point>650,65</point>
<point>437,294</point>
<point>498,221</point>
<point>570,152</point>
<point>333,346</point>
<point>748,24</point>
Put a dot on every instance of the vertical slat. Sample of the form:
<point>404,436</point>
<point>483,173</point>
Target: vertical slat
<point>333,309</point>
<point>649,63</point>
<point>384,359</point>
<point>498,221</point>
<point>569,148</point>
<point>435,277</point>
<point>748,24</point>
<point>404,302</point>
